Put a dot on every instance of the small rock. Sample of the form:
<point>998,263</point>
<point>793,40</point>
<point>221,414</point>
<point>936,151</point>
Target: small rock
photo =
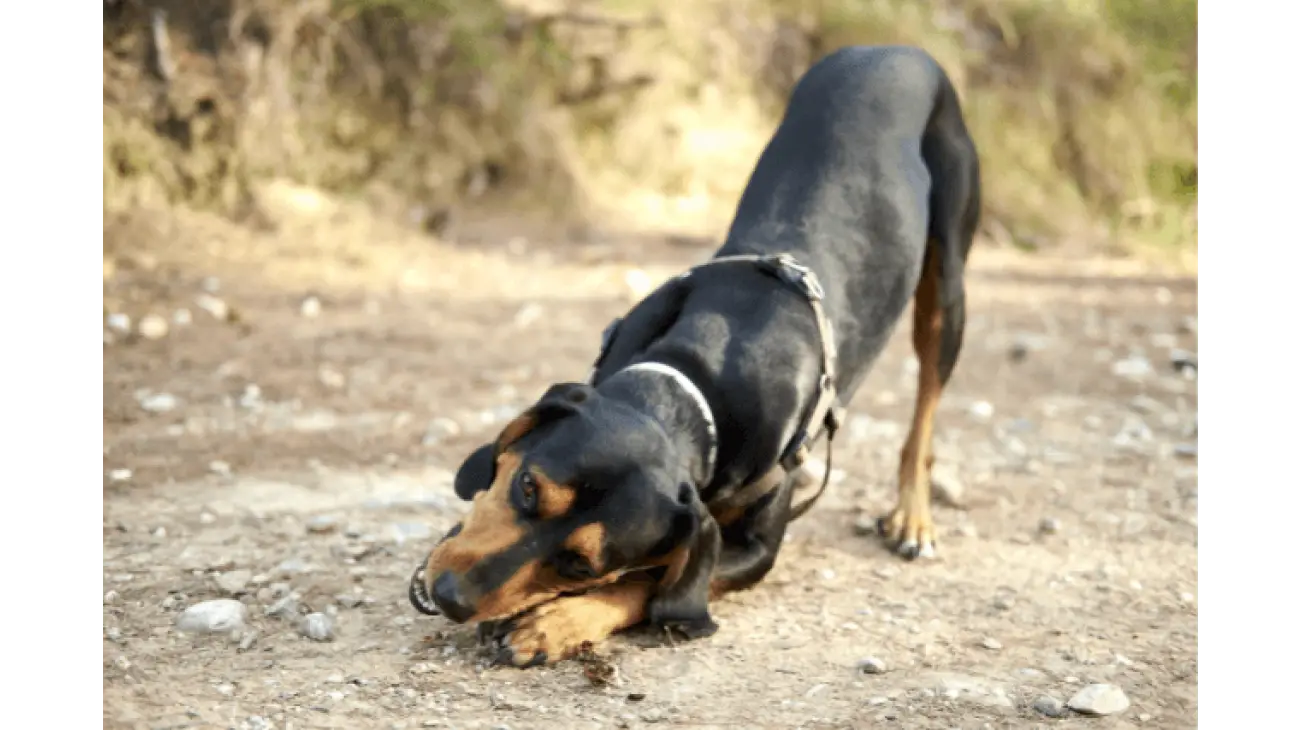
<point>403,531</point>
<point>945,486</point>
<point>864,525</point>
<point>110,598</point>
<point>251,397</point>
<point>247,639</point>
<point>440,429</point>
<point>991,644</point>
<point>119,475</point>
<point>1049,706</point>
<point>1133,366</point>
<point>182,317</point>
<point>215,617</point>
<point>210,284</point>
<point>1003,603</point>
<point>1099,699</point>
<point>284,608</point>
<point>351,600</point>
<point>321,524</point>
<point>317,626</point>
<point>160,532</point>
<point>1049,526</point>
<point>120,323</point>
<point>981,409</point>
<point>871,665</point>
<point>159,402</point>
<point>331,378</point>
<point>234,582</point>
<point>153,327</point>
<point>207,518</point>
<point>310,307</point>
<point>1185,451</point>
<point>214,306</point>
<point>527,314</point>
<point>1183,362</point>
<point>293,566</point>
<point>219,467</point>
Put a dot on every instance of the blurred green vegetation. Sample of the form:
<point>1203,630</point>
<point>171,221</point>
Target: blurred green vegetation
<point>1084,110</point>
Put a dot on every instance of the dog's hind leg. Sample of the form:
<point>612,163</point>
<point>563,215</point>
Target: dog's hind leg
<point>939,317</point>
<point>910,528</point>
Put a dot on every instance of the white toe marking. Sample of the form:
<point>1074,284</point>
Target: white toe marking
<point>927,550</point>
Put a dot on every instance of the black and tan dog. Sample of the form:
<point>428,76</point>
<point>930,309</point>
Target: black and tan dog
<point>669,478</point>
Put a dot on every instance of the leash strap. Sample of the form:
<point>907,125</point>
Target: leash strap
<point>826,413</point>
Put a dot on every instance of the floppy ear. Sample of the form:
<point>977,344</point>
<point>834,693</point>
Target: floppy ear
<point>646,322</point>
<point>477,472</point>
<point>681,602</point>
<point>479,469</point>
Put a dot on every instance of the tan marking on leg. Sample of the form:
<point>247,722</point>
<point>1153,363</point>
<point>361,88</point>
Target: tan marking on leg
<point>910,527</point>
<point>561,627</point>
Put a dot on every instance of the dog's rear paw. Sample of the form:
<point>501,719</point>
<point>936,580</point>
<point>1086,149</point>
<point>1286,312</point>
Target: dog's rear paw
<point>909,531</point>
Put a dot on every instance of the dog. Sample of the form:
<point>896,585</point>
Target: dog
<point>668,479</point>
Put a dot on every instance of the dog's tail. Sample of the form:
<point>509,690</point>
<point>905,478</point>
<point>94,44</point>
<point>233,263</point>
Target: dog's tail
<point>953,162</point>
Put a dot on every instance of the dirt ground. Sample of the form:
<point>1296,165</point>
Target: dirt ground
<point>303,446</point>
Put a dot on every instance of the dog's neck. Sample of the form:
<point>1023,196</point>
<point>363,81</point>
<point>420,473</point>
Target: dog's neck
<point>671,398</point>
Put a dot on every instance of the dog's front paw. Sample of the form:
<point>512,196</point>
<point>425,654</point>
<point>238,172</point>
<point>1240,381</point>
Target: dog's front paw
<point>549,633</point>
<point>909,529</point>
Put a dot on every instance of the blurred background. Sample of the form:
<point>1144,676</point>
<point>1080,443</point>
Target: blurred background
<point>634,112</point>
<point>345,240</point>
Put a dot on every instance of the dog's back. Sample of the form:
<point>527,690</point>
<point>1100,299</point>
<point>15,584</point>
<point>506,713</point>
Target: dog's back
<point>870,163</point>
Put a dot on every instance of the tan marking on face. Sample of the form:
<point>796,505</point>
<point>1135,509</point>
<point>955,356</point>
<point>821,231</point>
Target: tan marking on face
<point>490,527</point>
<point>516,429</point>
<point>553,499</point>
<point>589,542</point>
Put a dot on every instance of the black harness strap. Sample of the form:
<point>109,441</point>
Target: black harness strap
<point>826,412</point>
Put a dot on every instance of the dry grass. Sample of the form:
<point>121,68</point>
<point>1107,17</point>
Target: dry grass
<point>642,111</point>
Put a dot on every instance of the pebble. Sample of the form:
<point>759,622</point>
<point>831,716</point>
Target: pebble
<point>215,617</point>
<point>310,307</point>
<point>1049,526</point>
<point>1133,366</point>
<point>119,475</point>
<point>1099,699</point>
<point>1183,362</point>
<point>991,644</point>
<point>110,598</point>
<point>284,608</point>
<point>403,531</point>
<point>1185,451</point>
<point>247,638</point>
<point>1049,705</point>
<point>219,467</point>
<point>317,626</point>
<point>638,283</point>
<point>214,306</point>
<point>182,317</point>
<point>945,486</point>
<point>153,327</point>
<point>1003,603</point>
<point>119,322</point>
<point>871,665</point>
<point>294,565</point>
<point>321,524</point>
<point>158,402</point>
<point>864,525</point>
<point>439,429</point>
<point>234,582</point>
<point>981,409</point>
<point>331,378</point>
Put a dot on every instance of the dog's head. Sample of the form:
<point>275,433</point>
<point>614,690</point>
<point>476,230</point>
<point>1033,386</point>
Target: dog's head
<point>575,492</point>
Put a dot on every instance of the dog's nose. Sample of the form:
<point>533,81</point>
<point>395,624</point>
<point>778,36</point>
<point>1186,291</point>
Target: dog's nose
<point>448,597</point>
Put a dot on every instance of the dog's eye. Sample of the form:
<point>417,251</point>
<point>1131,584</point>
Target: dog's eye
<point>527,488</point>
<point>573,566</point>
